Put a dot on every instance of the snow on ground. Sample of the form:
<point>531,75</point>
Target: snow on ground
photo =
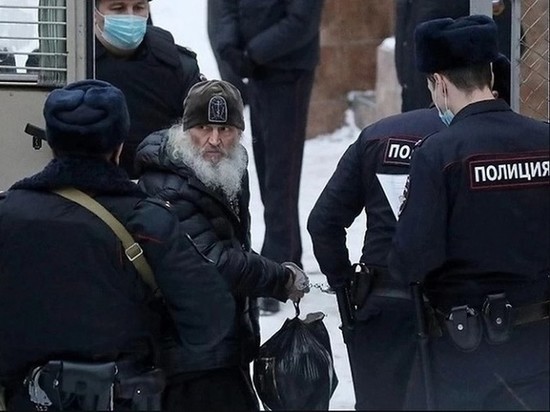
<point>187,22</point>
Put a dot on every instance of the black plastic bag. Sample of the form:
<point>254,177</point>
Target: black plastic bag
<point>294,369</point>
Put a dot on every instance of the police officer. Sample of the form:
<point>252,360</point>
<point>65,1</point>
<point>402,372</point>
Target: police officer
<point>143,61</point>
<point>68,292</point>
<point>370,176</point>
<point>474,229</point>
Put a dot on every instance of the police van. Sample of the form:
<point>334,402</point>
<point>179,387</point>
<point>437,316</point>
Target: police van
<point>44,44</point>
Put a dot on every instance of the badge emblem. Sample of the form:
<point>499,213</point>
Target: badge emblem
<point>217,110</point>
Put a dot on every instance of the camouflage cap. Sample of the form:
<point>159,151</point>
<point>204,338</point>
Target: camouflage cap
<point>213,102</point>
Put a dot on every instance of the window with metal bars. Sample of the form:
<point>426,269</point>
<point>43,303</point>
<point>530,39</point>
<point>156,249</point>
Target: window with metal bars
<point>33,42</point>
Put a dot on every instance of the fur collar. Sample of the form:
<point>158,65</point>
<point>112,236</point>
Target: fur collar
<point>88,174</point>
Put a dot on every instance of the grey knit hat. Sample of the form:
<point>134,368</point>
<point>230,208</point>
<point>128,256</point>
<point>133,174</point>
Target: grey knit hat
<point>213,102</point>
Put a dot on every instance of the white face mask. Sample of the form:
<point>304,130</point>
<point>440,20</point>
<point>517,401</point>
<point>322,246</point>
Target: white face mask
<point>123,31</point>
<point>446,116</point>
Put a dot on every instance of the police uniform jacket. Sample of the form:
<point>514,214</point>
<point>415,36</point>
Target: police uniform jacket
<point>155,81</point>
<point>476,218</point>
<point>278,35</point>
<point>69,292</point>
<point>221,232</point>
<point>364,180</point>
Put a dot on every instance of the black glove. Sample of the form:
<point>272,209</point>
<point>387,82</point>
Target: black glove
<point>238,60</point>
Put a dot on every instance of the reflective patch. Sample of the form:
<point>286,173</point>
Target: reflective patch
<point>399,151</point>
<point>217,110</point>
<point>509,171</point>
<point>393,187</point>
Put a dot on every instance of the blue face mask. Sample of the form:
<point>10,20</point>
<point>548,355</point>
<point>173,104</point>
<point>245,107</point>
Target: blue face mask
<point>447,116</point>
<point>124,31</point>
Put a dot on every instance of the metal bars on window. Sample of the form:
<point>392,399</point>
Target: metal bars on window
<point>33,42</point>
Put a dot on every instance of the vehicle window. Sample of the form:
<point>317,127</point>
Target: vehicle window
<point>33,42</point>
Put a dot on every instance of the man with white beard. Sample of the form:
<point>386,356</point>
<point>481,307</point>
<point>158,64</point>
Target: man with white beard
<point>199,166</point>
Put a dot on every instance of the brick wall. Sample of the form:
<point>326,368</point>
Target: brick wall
<point>351,31</point>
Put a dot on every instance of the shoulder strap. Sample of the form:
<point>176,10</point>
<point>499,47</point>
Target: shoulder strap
<point>132,249</point>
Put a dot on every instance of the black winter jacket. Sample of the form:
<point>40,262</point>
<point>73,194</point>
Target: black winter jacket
<point>155,81</point>
<point>365,180</point>
<point>476,218</point>
<point>276,34</point>
<point>68,291</point>
<point>224,238</point>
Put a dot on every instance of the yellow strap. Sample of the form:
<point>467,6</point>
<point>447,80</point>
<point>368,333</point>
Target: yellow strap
<point>133,250</point>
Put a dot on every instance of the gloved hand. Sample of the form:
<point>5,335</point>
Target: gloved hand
<point>239,61</point>
<point>298,282</point>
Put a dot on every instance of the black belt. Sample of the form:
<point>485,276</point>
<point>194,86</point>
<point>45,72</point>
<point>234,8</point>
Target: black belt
<point>531,313</point>
<point>385,286</point>
<point>394,293</point>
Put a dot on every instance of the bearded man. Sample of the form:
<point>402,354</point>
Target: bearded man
<point>200,166</point>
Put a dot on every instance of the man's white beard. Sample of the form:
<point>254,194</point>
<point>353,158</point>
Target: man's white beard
<point>226,175</point>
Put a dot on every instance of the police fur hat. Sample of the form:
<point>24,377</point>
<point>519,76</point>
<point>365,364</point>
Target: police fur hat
<point>213,102</point>
<point>86,116</point>
<point>501,70</point>
<point>444,44</point>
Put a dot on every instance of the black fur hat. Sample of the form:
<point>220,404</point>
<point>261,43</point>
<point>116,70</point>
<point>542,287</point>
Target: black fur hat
<point>88,116</point>
<point>444,44</point>
<point>501,69</point>
<point>213,102</point>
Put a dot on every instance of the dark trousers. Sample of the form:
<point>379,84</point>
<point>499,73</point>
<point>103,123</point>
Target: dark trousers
<point>227,389</point>
<point>382,353</point>
<point>279,104</point>
<point>509,376</point>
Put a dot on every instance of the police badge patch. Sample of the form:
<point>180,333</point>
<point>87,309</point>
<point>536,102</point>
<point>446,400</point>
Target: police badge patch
<point>217,110</point>
<point>399,150</point>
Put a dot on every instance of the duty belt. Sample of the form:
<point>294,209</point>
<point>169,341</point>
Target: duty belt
<point>466,325</point>
<point>531,313</point>
<point>372,281</point>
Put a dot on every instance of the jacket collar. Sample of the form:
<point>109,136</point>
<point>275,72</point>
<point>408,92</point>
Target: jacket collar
<point>497,105</point>
<point>88,174</point>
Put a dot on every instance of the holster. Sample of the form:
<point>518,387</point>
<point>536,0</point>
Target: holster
<point>497,317</point>
<point>88,385</point>
<point>96,386</point>
<point>463,324</point>
<point>361,284</point>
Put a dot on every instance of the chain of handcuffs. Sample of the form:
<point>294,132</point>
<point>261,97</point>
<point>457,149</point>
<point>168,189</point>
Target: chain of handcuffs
<point>325,288</point>
<point>322,286</point>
